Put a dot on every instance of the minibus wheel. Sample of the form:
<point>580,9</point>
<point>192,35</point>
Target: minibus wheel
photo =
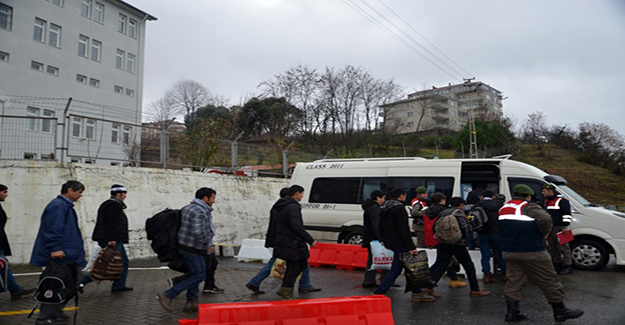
<point>589,255</point>
<point>354,238</point>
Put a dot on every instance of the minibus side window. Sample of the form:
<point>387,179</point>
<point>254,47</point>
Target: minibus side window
<point>444,185</point>
<point>344,190</point>
<point>535,184</point>
<point>370,184</point>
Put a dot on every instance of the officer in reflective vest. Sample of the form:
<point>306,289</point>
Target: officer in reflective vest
<point>524,227</point>
<point>560,210</point>
<point>418,207</point>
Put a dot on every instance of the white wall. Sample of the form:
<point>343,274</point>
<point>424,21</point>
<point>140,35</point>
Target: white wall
<point>241,208</point>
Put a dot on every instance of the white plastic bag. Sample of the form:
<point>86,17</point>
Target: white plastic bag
<point>95,251</point>
<point>381,258</point>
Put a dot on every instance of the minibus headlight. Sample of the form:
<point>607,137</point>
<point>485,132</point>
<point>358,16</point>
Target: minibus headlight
<point>618,214</point>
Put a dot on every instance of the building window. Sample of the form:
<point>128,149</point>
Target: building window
<point>30,156</point>
<point>82,79</point>
<point>76,124</point>
<point>52,70</point>
<point>119,90</point>
<point>132,28</point>
<point>98,13</point>
<point>94,83</point>
<point>115,133</point>
<point>57,2</point>
<point>90,129</point>
<point>39,33</point>
<point>31,123</point>
<point>410,114</point>
<point>119,60</point>
<point>96,46</point>
<point>126,135</point>
<point>6,17</point>
<point>4,56</point>
<point>54,35</point>
<point>130,63</point>
<point>130,92</point>
<point>85,8</point>
<point>83,43</point>
<point>36,66</point>
<point>46,125</point>
<point>121,24</point>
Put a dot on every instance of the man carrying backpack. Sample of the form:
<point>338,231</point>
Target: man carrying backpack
<point>195,242</point>
<point>111,229</point>
<point>16,291</point>
<point>489,238</point>
<point>59,240</point>
<point>451,231</point>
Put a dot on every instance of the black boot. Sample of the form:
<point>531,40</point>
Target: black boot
<point>514,312</point>
<point>557,266</point>
<point>566,270</point>
<point>561,313</point>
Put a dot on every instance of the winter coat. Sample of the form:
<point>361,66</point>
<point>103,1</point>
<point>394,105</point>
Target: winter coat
<point>394,227</point>
<point>491,207</point>
<point>273,225</point>
<point>291,238</point>
<point>58,231</point>
<point>4,240</point>
<point>525,230</point>
<point>112,223</point>
<point>371,221</point>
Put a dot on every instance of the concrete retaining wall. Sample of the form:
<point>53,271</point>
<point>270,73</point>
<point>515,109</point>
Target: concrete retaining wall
<point>241,208</point>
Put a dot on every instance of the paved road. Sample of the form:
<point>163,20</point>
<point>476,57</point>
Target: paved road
<point>600,294</point>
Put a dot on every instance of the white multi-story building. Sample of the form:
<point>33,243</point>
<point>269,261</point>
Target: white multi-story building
<point>443,108</point>
<point>88,50</point>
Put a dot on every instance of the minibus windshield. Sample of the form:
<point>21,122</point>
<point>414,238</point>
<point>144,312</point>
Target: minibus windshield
<point>575,196</point>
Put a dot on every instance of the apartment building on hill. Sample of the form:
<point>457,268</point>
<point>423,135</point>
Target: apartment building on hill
<point>91,51</point>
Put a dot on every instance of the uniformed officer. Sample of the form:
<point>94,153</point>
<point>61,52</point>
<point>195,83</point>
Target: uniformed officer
<point>523,227</point>
<point>418,207</point>
<point>560,210</point>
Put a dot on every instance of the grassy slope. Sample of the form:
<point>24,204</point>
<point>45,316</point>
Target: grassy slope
<point>594,183</point>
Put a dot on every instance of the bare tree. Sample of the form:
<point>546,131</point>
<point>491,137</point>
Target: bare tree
<point>188,95</point>
<point>163,111</point>
<point>535,129</point>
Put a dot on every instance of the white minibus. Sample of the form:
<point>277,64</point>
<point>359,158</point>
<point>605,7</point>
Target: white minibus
<point>336,188</point>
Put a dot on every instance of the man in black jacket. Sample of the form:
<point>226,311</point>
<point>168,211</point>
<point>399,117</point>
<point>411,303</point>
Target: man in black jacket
<point>291,240</point>
<point>395,232</point>
<point>16,291</point>
<point>559,209</point>
<point>111,229</point>
<point>371,221</point>
<point>489,237</point>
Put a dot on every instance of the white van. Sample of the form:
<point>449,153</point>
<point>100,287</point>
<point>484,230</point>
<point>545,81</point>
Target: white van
<point>335,189</point>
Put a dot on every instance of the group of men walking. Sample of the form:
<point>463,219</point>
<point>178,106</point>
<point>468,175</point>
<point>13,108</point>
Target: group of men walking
<point>523,236</point>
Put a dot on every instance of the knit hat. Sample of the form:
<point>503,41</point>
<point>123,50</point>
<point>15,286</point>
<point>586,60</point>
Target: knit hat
<point>523,189</point>
<point>549,187</point>
<point>420,190</point>
<point>3,187</point>
<point>116,188</point>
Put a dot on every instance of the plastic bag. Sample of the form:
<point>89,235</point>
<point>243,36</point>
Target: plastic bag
<point>416,270</point>
<point>278,270</point>
<point>381,258</point>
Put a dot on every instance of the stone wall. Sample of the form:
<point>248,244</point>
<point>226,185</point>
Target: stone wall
<point>241,208</point>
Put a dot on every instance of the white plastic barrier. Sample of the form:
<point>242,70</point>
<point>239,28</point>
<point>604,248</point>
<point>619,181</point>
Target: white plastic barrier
<point>253,250</point>
<point>476,257</point>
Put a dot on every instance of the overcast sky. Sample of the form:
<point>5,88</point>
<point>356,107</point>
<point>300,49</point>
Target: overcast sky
<point>565,58</point>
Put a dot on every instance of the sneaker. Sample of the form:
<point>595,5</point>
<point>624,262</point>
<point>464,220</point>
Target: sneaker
<point>254,289</point>
<point>457,284</point>
<point>479,293</point>
<point>309,289</point>
<point>422,297</point>
<point>165,301</point>
<point>50,321</point>
<point>214,289</point>
<point>23,292</point>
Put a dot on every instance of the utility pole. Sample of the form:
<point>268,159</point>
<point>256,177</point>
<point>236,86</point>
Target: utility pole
<point>472,130</point>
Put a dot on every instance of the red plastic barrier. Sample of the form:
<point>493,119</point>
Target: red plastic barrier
<point>342,256</point>
<point>357,310</point>
<point>187,322</point>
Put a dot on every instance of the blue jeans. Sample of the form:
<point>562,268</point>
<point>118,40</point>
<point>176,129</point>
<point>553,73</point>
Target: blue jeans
<point>197,272</point>
<point>488,242</point>
<point>117,284</point>
<point>12,285</point>
<point>393,273</point>
<point>304,282</point>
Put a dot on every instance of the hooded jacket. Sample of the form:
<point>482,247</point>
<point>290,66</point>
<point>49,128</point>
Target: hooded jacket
<point>371,221</point>
<point>291,238</point>
<point>394,227</point>
<point>270,238</point>
<point>112,223</point>
<point>491,207</point>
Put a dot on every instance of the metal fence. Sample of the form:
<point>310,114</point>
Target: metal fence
<point>85,139</point>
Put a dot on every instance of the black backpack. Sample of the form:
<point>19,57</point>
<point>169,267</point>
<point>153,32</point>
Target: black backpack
<point>477,218</point>
<point>4,274</point>
<point>162,229</point>
<point>57,285</point>
<point>108,266</point>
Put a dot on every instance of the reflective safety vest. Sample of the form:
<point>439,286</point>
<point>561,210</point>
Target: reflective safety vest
<point>557,215</point>
<point>519,232</point>
<point>415,201</point>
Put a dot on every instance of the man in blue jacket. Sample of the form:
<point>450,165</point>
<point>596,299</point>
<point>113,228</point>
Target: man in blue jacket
<point>59,240</point>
